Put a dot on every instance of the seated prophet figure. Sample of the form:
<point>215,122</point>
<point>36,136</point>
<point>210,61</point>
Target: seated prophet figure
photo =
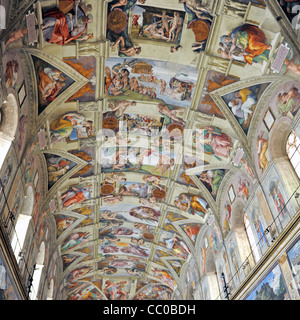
<point>76,195</point>
<point>72,125</point>
<point>51,84</point>
<point>214,141</point>
<point>193,204</point>
<point>241,106</point>
<point>250,41</point>
<point>60,28</point>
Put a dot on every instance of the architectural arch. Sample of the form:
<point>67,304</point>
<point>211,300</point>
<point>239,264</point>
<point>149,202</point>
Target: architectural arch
<point>9,116</point>
<point>9,119</point>
<point>22,221</point>
<point>37,271</point>
<point>2,17</point>
<point>188,279</point>
<point>211,274</point>
<point>28,201</point>
<point>278,137</point>
<point>239,229</point>
<point>233,211</point>
<point>270,92</point>
<point>277,146</point>
<point>272,82</point>
<point>50,290</point>
<point>206,257</point>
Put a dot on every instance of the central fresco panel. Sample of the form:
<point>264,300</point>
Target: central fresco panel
<point>147,100</point>
<point>150,80</point>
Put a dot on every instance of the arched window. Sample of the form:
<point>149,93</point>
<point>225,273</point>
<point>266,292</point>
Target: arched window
<point>50,290</point>
<point>22,223</point>
<point>212,278</point>
<point>293,151</point>
<point>37,274</point>
<point>284,150</point>
<point>2,18</point>
<point>241,236</point>
<point>208,269</point>
<point>8,124</point>
<point>4,147</point>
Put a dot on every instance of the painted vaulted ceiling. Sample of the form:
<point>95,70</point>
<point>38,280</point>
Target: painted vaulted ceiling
<point>140,127</point>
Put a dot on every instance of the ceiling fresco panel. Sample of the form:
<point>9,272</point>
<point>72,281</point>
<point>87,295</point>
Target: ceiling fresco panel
<point>150,80</point>
<point>51,82</point>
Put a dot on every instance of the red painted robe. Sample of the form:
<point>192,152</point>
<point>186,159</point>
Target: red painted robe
<point>61,33</point>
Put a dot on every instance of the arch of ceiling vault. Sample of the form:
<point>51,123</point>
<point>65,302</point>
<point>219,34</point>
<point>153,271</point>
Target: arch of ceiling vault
<point>264,100</point>
<point>79,165</point>
<point>79,79</point>
<point>274,81</point>
<point>44,176</point>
